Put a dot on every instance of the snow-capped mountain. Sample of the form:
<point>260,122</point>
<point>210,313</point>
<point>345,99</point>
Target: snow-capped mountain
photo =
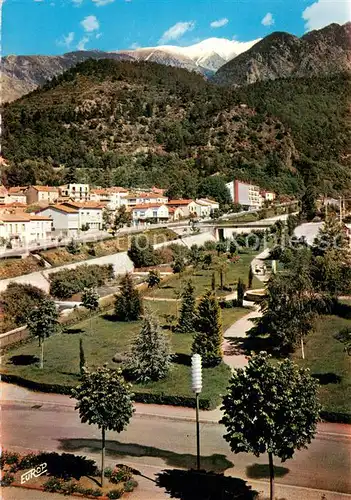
<point>210,54</point>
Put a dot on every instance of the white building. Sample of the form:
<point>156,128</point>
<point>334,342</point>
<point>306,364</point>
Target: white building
<point>77,192</point>
<point>149,213</point>
<point>188,207</point>
<point>16,195</point>
<point>69,217</point>
<point>114,197</point>
<point>248,195</point>
<point>134,199</point>
<point>42,194</point>
<point>25,228</point>
<point>205,207</point>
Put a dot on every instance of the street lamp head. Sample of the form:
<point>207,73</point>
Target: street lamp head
<point>196,373</point>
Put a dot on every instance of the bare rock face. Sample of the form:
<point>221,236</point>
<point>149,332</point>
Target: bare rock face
<point>281,55</point>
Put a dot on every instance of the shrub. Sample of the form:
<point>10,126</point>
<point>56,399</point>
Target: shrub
<point>141,252</point>
<point>128,304</point>
<point>18,300</point>
<point>9,458</point>
<point>130,485</point>
<point>120,474</point>
<point>108,472</point>
<point>115,493</point>
<point>7,479</point>
<point>93,492</point>
<point>28,461</point>
<point>65,283</point>
<point>53,484</point>
<point>69,488</point>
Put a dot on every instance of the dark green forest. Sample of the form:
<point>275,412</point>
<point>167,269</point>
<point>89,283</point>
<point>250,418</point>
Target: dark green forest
<point>122,123</point>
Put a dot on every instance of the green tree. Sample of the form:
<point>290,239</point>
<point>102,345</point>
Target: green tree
<point>104,399</point>
<point>90,300</point>
<point>287,311</point>
<point>215,187</point>
<point>153,279</point>
<point>240,292</point>
<point>81,357</point>
<point>178,265</point>
<point>17,302</point>
<point>43,321</point>
<point>194,255</point>
<point>270,409</point>
<point>150,357</point>
<point>250,278</point>
<point>73,247</point>
<point>209,337</point>
<point>213,283</point>
<point>106,219</point>
<point>141,252</point>
<point>122,218</point>
<point>221,265</point>
<point>344,336</point>
<point>187,315</point>
<point>128,303</point>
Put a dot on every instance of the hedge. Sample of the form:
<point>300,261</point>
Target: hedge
<point>65,283</point>
<point>139,397</point>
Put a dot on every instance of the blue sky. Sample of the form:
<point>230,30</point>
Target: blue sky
<point>57,26</point>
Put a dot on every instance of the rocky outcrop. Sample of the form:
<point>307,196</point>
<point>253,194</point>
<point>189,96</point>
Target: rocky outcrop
<point>281,55</point>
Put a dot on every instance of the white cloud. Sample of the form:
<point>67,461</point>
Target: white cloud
<point>219,23</point>
<point>98,35</point>
<point>77,2</point>
<point>177,31</point>
<point>135,46</point>
<point>101,3</point>
<point>66,40</point>
<point>324,12</point>
<point>82,43</point>
<point>90,24</point>
<point>268,19</point>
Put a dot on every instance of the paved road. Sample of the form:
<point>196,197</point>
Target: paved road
<point>52,424</point>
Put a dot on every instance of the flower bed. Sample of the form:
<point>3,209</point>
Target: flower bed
<point>65,473</point>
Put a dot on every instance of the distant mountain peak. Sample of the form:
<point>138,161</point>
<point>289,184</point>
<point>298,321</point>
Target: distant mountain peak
<point>282,55</point>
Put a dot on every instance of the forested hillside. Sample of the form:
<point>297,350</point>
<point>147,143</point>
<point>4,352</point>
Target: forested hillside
<point>142,123</point>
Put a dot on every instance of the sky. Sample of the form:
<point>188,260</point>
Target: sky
<point>58,26</point>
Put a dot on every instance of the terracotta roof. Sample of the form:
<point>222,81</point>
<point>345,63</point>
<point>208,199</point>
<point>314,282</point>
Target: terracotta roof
<point>117,189</point>
<point>22,217</point>
<point>17,189</point>
<point>46,189</point>
<point>85,204</point>
<point>39,217</point>
<point>61,208</point>
<point>179,202</point>
<point>99,191</point>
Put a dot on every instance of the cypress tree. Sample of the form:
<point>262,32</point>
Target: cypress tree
<point>187,317</point>
<point>240,292</point>
<point>128,304</point>
<point>208,340</point>
<point>150,357</point>
<point>250,278</point>
<point>81,356</point>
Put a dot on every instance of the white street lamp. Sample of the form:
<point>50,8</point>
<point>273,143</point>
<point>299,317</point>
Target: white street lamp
<point>196,385</point>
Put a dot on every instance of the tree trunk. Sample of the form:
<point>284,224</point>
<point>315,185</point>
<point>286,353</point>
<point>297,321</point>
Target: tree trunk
<point>302,349</point>
<point>102,455</point>
<point>41,343</point>
<point>221,276</point>
<point>271,474</point>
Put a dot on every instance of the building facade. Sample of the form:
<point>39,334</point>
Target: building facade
<point>42,194</point>
<point>247,195</point>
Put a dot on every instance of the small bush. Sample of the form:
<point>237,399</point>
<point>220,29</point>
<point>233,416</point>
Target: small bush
<point>28,461</point>
<point>108,472</point>
<point>53,484</point>
<point>93,492</point>
<point>69,488</point>
<point>120,474</point>
<point>7,479</point>
<point>9,458</point>
<point>115,493</point>
<point>130,485</point>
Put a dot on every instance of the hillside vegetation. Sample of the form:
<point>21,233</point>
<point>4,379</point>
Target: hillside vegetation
<point>142,123</point>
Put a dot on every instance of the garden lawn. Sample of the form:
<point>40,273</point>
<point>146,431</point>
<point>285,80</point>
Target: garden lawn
<point>326,359</point>
<point>201,279</point>
<point>61,355</point>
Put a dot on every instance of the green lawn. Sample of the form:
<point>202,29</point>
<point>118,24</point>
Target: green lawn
<point>201,279</point>
<point>109,337</point>
<point>325,357</point>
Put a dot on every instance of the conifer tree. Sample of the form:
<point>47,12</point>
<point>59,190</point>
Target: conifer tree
<point>250,278</point>
<point>128,304</point>
<point>240,292</point>
<point>187,316</point>
<point>208,340</point>
<point>150,356</point>
<point>81,357</point>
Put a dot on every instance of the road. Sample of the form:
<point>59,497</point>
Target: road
<point>164,437</point>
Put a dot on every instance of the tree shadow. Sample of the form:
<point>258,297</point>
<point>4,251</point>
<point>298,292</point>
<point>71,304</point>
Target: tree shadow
<point>180,358</point>
<point>261,471</point>
<point>23,360</point>
<point>215,462</point>
<point>247,345</point>
<point>73,331</point>
<point>203,485</point>
<point>327,378</point>
<point>109,317</point>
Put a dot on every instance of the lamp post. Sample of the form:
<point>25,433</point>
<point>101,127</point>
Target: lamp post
<point>196,384</point>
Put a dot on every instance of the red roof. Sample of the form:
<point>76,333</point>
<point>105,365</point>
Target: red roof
<point>179,202</point>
